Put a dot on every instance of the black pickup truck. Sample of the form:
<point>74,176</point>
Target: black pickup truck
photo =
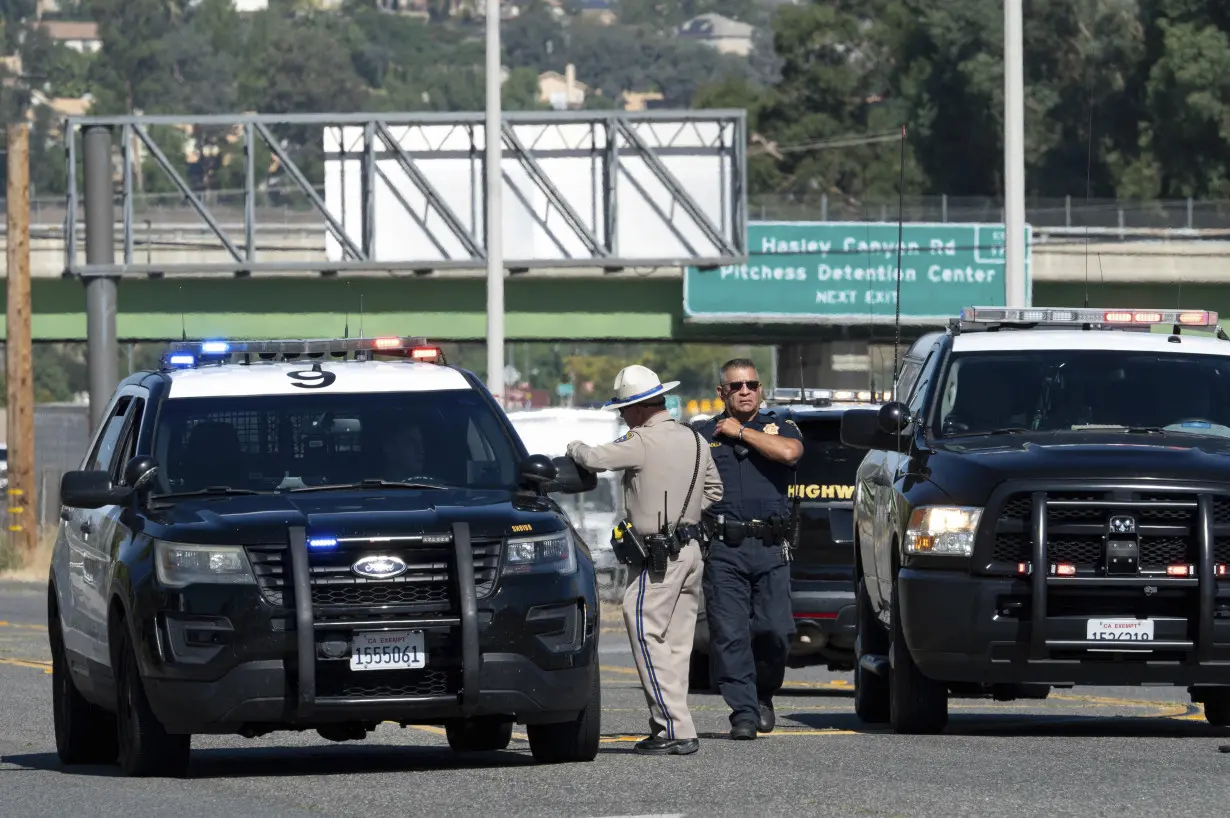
<point>822,569</point>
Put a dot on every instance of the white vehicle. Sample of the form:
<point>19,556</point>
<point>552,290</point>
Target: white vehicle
<point>594,513</point>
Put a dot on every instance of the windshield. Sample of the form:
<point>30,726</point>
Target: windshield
<point>279,442</point>
<point>1084,390</point>
<point>827,468</point>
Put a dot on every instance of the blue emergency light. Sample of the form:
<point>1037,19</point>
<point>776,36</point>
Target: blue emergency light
<point>322,542</point>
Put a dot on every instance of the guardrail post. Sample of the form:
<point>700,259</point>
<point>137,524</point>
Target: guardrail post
<point>102,351</point>
<point>1189,213</point>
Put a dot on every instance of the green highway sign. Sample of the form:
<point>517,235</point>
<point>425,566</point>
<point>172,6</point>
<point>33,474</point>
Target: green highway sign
<point>674,406</point>
<point>846,273</point>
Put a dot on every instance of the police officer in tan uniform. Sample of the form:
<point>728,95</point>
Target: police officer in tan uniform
<point>659,459</point>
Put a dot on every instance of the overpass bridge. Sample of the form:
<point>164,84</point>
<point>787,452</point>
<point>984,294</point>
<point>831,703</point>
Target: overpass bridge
<point>1136,267</point>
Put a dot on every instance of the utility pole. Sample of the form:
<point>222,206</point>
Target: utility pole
<point>494,221</point>
<point>101,348</point>
<point>23,528</point>
<point>1014,157</point>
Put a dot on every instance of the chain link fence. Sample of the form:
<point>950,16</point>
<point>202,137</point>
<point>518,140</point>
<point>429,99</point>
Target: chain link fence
<point>291,209</point>
<point>61,436</point>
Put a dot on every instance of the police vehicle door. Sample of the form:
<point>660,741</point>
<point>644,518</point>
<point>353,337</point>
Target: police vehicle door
<point>911,386</point>
<point>90,540</point>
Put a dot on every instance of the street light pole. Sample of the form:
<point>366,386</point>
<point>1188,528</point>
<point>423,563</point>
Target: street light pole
<point>494,219</point>
<point>1014,157</point>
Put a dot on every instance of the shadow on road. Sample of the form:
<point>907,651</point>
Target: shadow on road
<point>996,725</point>
<point>274,762</point>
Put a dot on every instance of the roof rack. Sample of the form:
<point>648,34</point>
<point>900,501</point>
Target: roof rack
<point>191,354</point>
<point>1127,318</point>
<point>827,397</point>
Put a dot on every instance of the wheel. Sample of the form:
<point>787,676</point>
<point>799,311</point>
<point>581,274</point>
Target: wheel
<point>479,735</point>
<point>145,747</point>
<point>870,689</point>
<point>700,677</point>
<point>85,733</point>
<point>575,740</point>
<point>916,704</point>
<point>1217,707</point>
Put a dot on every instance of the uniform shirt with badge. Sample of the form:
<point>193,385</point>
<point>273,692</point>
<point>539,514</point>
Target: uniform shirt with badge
<point>754,486</point>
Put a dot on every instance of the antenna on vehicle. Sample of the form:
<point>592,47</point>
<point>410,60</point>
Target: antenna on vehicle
<point>360,315</point>
<point>900,236</point>
<point>1088,192</point>
<point>346,330</point>
<point>183,325</point>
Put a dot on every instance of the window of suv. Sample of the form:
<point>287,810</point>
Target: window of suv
<point>1083,390</point>
<point>270,442</point>
<point>827,467</point>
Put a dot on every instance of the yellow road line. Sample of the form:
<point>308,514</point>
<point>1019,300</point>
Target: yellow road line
<point>440,731</point>
<point>4,624</point>
<point>43,666</point>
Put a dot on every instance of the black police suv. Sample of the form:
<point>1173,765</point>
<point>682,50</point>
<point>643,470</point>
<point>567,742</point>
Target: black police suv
<point>1047,505</point>
<point>317,535</point>
<point>822,564</point>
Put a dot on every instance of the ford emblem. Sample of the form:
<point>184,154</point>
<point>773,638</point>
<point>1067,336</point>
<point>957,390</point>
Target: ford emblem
<point>379,567</point>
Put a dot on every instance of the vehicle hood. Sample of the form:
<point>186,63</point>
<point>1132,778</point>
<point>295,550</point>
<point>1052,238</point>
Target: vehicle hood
<point>974,466</point>
<point>264,519</point>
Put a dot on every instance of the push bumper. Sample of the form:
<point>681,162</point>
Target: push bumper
<point>242,665</point>
<point>963,628</point>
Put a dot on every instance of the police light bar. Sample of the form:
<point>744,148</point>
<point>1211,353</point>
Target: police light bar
<point>191,353</point>
<point>1067,315</point>
<point>788,394</point>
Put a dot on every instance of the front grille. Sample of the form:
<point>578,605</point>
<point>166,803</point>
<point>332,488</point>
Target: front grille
<point>429,585</point>
<point>337,680</point>
<point>1077,523</point>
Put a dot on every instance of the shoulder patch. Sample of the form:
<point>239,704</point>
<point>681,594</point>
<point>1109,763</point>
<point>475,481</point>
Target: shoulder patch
<point>623,437</point>
<point>792,423</point>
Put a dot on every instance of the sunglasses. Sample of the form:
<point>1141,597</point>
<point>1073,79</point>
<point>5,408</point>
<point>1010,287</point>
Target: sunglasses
<point>737,386</point>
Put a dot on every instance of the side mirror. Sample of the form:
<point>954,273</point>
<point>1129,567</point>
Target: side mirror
<point>894,417</point>
<point>571,478</point>
<point>863,429</point>
<point>537,471</point>
<point>139,473</point>
<point>91,489</point>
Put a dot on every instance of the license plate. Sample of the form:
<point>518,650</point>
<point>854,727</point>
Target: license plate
<point>388,650</point>
<point>1119,630</point>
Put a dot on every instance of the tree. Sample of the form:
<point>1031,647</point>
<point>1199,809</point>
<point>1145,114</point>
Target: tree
<point>133,69</point>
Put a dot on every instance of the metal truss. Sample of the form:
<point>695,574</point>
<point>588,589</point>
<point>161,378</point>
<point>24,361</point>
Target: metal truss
<point>629,155</point>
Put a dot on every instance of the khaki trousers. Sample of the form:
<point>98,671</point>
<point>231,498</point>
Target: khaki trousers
<point>660,613</point>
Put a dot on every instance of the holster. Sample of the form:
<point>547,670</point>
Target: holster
<point>627,546</point>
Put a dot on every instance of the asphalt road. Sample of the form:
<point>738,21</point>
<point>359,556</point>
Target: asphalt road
<point>1087,752</point>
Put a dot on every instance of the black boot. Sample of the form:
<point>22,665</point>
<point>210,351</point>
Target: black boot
<point>767,719</point>
<point>662,746</point>
<point>743,731</point>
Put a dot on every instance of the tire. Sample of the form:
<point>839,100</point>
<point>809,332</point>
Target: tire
<point>145,747</point>
<point>1217,707</point>
<point>871,703</point>
<point>479,735</point>
<point>570,741</point>
<point>85,733</point>
<point>700,676</point>
<point>917,704</point>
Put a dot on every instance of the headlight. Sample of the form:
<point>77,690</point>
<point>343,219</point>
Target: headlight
<point>178,564</point>
<point>546,554</point>
<point>947,530</point>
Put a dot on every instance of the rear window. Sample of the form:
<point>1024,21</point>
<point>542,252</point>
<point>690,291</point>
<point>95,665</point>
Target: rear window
<point>827,469</point>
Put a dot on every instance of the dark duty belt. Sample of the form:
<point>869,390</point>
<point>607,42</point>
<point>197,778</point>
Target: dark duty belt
<point>736,531</point>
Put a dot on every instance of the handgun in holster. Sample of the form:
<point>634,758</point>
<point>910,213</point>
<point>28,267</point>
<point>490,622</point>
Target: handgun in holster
<point>627,545</point>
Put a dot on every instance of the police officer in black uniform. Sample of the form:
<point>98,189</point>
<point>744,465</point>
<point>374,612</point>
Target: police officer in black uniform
<point>747,571</point>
